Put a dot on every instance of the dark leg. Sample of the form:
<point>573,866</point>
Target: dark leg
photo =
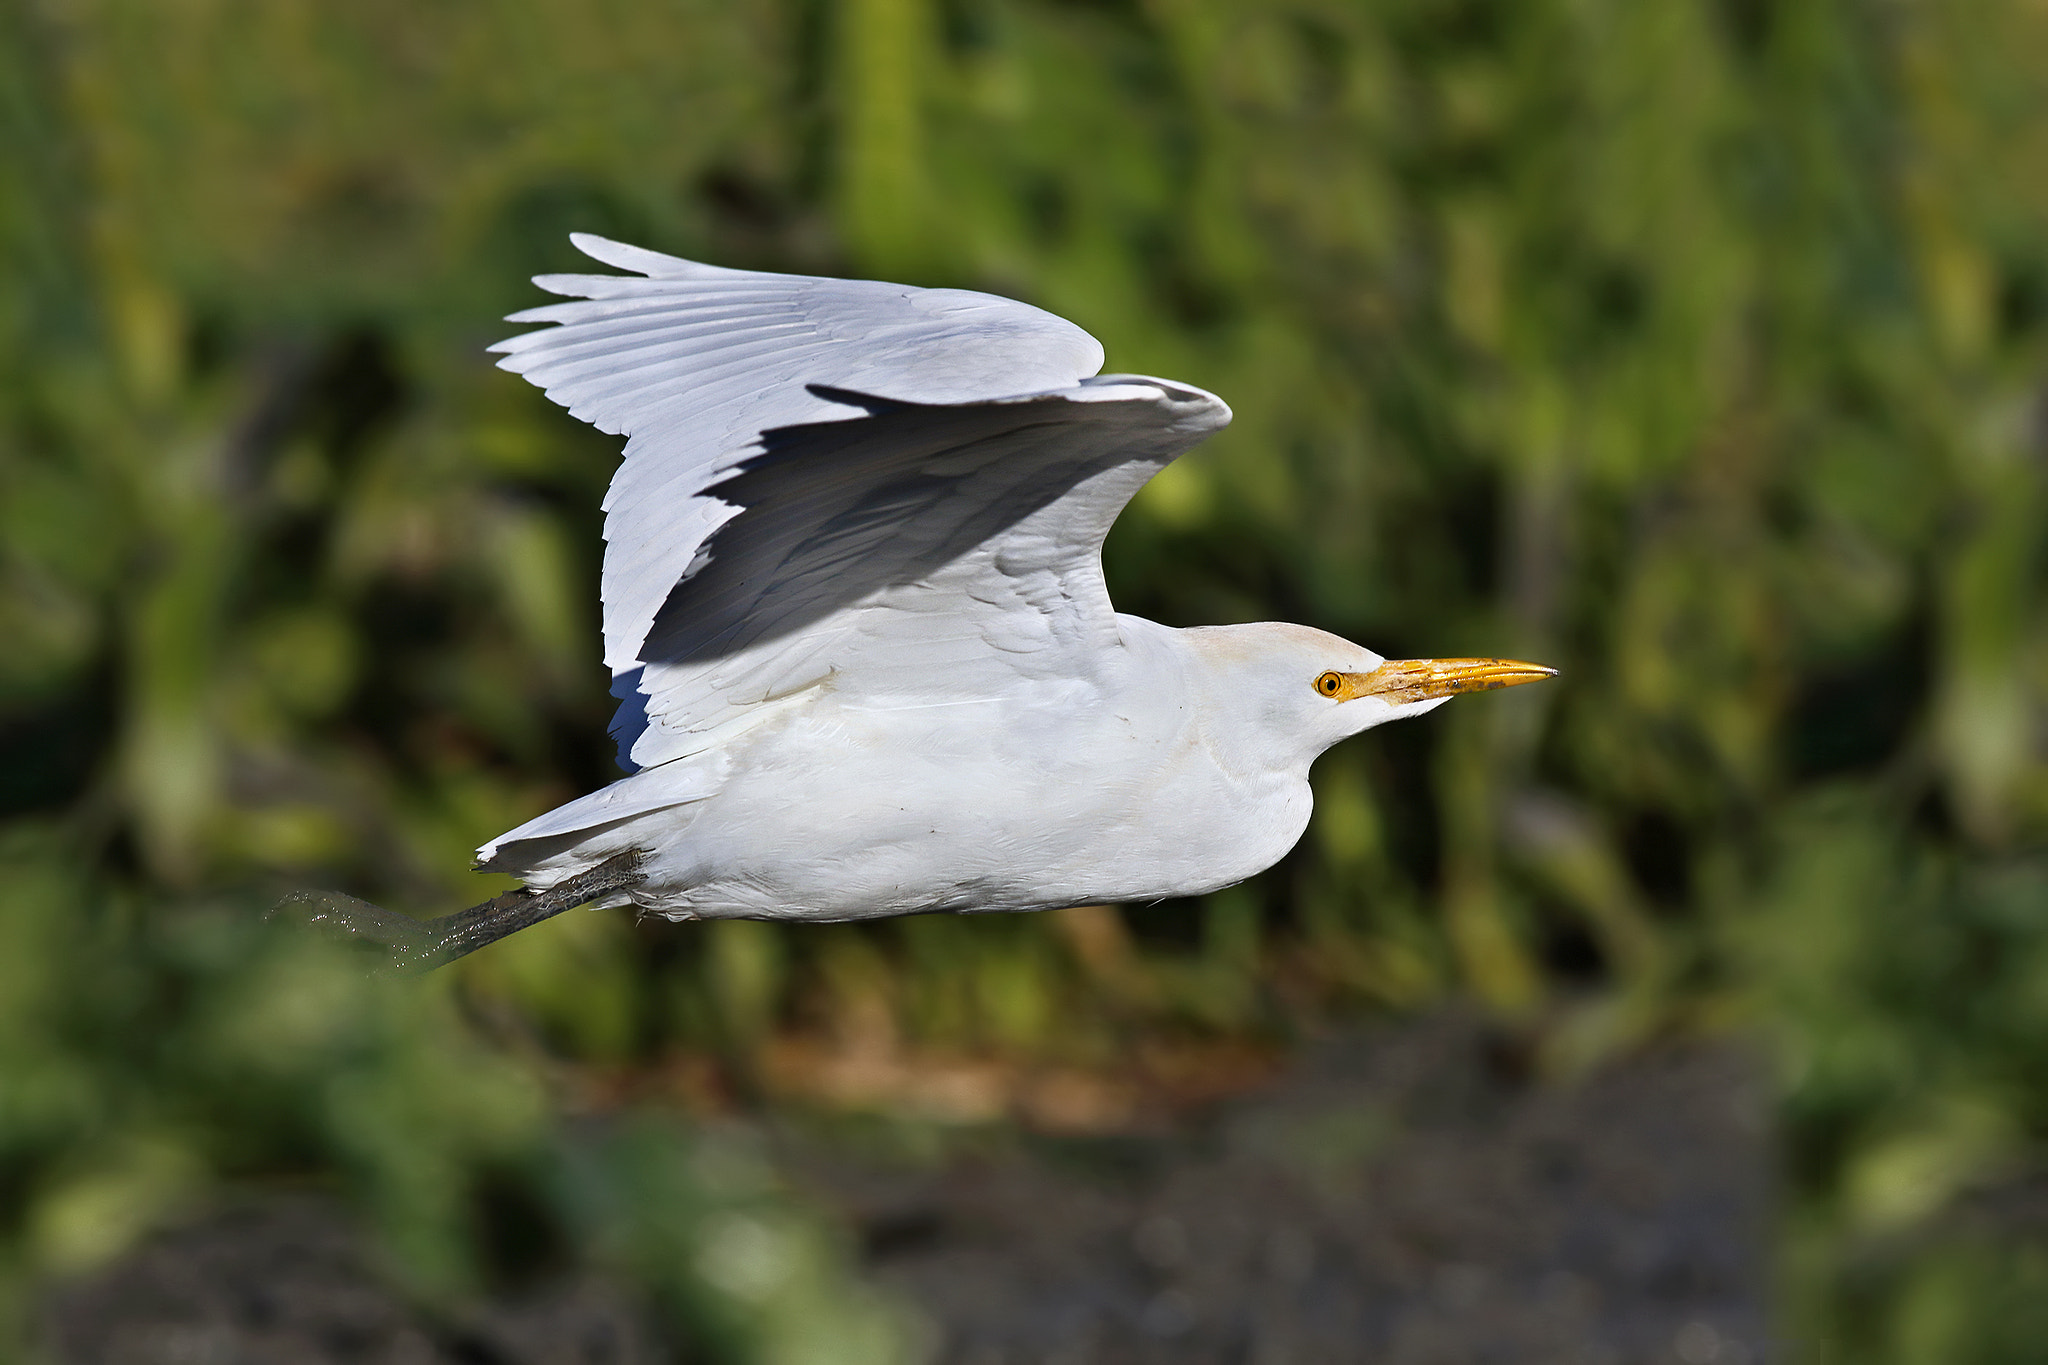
<point>417,946</point>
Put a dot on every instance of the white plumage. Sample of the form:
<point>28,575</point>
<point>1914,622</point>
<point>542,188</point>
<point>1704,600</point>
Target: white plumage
<point>856,620</point>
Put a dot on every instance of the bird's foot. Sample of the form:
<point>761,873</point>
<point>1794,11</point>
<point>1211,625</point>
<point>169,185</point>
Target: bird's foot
<point>413,946</point>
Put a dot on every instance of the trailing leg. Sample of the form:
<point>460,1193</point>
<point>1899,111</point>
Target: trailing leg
<point>417,946</point>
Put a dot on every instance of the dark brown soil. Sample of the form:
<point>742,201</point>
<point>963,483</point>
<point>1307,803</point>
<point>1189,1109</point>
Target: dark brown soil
<point>1414,1198</point>
<point>1410,1200</point>
<point>288,1283</point>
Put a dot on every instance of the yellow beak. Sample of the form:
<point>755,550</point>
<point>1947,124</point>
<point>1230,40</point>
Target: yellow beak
<point>1400,681</point>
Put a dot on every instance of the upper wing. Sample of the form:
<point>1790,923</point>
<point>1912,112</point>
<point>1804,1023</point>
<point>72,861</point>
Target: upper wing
<point>944,534</point>
<point>693,362</point>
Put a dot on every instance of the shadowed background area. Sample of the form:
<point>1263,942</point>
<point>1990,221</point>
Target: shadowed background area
<point>1695,348</point>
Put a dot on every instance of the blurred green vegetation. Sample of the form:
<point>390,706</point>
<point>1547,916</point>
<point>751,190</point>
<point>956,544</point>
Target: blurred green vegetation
<point>153,1058</point>
<point>1697,348</point>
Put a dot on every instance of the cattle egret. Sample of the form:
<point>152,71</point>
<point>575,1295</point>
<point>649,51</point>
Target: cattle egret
<point>856,621</point>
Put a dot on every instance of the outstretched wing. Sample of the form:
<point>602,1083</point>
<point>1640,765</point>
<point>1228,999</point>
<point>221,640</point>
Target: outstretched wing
<point>877,485</point>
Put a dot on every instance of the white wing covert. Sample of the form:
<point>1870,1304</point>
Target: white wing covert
<point>885,487</point>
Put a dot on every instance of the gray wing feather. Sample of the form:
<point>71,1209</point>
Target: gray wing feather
<point>691,362</point>
<point>941,549</point>
<point>770,521</point>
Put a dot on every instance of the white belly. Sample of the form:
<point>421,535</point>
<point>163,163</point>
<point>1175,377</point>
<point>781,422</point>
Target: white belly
<point>852,813</point>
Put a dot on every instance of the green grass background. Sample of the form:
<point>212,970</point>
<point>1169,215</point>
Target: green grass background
<point>1696,348</point>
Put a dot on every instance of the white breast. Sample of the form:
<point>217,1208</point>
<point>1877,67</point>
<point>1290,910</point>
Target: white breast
<point>1058,796</point>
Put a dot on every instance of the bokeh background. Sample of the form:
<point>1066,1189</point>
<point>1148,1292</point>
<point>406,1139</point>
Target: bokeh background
<point>1697,348</point>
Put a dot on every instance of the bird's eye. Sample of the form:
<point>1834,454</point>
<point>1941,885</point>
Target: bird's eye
<point>1330,684</point>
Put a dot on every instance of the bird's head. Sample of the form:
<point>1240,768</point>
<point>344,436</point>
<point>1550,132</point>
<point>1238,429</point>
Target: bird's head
<point>1293,691</point>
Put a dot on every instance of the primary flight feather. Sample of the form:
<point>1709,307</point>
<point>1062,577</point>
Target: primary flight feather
<point>854,611</point>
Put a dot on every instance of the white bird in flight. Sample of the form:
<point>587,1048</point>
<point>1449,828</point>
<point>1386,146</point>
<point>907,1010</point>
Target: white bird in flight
<point>855,616</point>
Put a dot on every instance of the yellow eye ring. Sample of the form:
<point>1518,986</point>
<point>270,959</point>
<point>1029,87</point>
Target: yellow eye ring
<point>1330,684</point>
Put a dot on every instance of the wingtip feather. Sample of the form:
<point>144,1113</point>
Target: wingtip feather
<point>655,265</point>
<point>572,286</point>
